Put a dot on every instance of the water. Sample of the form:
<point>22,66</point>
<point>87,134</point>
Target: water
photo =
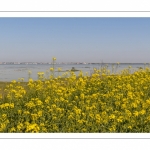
<point>14,72</point>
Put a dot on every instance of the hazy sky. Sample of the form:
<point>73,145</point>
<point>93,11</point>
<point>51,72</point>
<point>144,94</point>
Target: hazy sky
<point>75,39</point>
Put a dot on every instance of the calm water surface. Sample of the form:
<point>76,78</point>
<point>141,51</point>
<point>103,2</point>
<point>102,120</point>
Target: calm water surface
<point>14,72</point>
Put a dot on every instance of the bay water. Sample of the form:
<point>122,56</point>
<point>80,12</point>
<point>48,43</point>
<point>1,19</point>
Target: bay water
<point>16,71</point>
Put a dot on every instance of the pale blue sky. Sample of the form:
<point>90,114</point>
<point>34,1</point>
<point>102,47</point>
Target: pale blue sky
<point>75,39</point>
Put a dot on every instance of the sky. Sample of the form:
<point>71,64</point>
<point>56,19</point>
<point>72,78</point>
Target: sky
<point>110,40</point>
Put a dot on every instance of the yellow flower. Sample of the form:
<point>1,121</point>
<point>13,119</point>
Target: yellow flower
<point>26,112</point>
<point>129,127</point>
<point>12,129</point>
<point>120,119</point>
<point>142,112</point>
<point>51,69</point>
<point>98,118</point>
<point>59,69</point>
<point>112,129</point>
<point>82,96</point>
<point>39,102</point>
<point>54,58</point>
<point>19,112</point>
<point>40,113</point>
<point>112,116</point>
<point>13,81</point>
<point>32,128</point>
<point>19,126</point>
<point>136,113</point>
<point>4,116</point>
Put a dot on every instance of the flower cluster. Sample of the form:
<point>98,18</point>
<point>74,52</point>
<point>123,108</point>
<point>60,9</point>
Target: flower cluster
<point>99,103</point>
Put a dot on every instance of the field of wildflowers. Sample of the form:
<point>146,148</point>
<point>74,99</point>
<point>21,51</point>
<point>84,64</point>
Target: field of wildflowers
<point>97,103</point>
